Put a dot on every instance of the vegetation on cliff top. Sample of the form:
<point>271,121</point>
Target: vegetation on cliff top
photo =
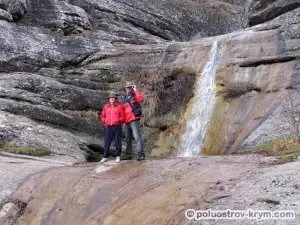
<point>286,148</point>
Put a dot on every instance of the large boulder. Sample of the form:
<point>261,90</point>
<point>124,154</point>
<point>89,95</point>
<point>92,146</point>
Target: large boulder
<point>4,15</point>
<point>15,9</point>
<point>37,89</point>
<point>25,49</point>
<point>63,144</point>
<point>260,11</point>
<point>59,16</point>
<point>288,26</point>
<point>135,21</point>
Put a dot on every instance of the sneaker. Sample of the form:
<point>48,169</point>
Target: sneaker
<point>139,158</point>
<point>118,159</point>
<point>103,160</point>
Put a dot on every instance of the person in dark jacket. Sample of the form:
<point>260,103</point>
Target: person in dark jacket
<point>132,122</point>
<point>112,117</point>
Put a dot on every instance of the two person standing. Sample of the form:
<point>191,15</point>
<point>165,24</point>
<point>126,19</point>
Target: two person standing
<point>113,115</point>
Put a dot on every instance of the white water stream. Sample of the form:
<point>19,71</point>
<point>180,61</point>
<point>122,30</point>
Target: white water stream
<point>202,106</point>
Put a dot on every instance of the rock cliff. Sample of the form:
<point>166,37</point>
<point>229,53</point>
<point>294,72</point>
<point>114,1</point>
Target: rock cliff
<point>59,58</point>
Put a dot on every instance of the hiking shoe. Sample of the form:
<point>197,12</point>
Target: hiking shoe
<point>103,160</point>
<point>139,158</point>
<point>118,159</point>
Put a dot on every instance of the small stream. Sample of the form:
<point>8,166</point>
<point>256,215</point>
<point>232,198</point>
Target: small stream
<point>202,106</point>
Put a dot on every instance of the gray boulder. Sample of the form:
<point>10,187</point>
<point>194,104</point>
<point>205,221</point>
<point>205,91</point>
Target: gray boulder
<point>16,8</point>
<point>67,144</point>
<point>28,50</point>
<point>134,21</point>
<point>4,15</point>
<point>59,16</point>
<point>261,11</point>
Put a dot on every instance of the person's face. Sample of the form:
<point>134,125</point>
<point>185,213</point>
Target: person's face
<point>128,89</point>
<point>112,100</point>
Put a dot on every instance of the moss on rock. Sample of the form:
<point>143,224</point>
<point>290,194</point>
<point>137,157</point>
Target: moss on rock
<point>215,143</point>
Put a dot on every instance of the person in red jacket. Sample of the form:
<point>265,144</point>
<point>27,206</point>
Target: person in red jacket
<point>112,117</point>
<point>132,122</point>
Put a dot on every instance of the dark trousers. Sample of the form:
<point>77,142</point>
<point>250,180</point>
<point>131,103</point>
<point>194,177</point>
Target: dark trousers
<point>112,133</point>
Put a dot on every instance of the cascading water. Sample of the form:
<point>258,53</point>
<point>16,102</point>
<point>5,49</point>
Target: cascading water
<point>202,106</point>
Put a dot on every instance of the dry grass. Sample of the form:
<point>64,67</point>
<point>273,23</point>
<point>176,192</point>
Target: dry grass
<point>90,114</point>
<point>105,76</point>
<point>166,92</point>
<point>151,135</point>
<point>286,148</point>
<point>168,142</point>
<point>24,150</point>
<point>161,86</point>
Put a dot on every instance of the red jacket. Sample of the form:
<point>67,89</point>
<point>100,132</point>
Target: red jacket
<point>112,115</point>
<point>129,116</point>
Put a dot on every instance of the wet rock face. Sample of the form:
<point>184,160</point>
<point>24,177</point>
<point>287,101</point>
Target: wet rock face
<point>260,66</point>
<point>252,85</point>
<point>113,200</point>
<point>110,194</point>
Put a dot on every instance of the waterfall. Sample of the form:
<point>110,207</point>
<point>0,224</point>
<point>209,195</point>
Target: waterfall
<point>202,106</point>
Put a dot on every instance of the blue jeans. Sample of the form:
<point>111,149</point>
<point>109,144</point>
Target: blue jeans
<point>133,128</point>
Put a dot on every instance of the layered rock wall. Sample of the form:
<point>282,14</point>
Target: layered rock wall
<point>58,59</point>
